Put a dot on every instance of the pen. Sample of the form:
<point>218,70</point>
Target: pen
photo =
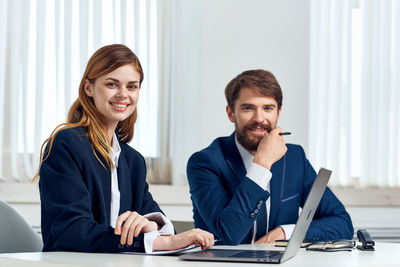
<point>285,133</point>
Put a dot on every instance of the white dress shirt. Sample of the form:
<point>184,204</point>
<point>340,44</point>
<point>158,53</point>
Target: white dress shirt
<point>261,176</point>
<point>167,227</point>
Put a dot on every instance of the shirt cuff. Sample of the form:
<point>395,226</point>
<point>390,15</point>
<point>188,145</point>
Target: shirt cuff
<point>259,175</point>
<point>167,228</point>
<point>288,229</point>
<point>149,240</point>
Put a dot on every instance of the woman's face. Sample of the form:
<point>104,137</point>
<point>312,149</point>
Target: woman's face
<point>115,94</point>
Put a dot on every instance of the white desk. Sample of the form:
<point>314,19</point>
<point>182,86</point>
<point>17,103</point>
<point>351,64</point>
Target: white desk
<point>385,255</point>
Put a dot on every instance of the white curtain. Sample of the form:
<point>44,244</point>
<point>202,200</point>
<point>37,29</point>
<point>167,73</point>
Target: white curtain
<point>44,48</point>
<point>160,168</point>
<point>380,83</point>
<point>330,82</point>
<point>354,90</point>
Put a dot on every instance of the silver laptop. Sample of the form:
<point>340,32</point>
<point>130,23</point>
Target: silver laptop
<point>271,256</point>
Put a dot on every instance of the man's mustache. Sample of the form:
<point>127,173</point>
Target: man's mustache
<point>254,125</point>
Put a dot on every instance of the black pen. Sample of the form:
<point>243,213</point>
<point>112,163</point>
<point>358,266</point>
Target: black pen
<point>285,133</point>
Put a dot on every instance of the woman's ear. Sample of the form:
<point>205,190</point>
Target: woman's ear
<point>88,88</point>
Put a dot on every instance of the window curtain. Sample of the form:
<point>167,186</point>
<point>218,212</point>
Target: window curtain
<point>159,169</point>
<point>330,87</point>
<point>336,123</point>
<point>380,87</point>
<point>44,48</point>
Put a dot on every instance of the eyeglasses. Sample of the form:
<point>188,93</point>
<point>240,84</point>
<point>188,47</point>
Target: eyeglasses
<point>331,246</point>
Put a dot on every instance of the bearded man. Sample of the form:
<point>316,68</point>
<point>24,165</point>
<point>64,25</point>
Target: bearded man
<point>248,187</point>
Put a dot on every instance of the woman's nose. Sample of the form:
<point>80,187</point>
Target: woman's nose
<point>122,92</point>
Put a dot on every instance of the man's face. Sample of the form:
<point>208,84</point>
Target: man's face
<point>254,115</point>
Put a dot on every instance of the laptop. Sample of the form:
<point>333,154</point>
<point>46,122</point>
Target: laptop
<point>271,256</point>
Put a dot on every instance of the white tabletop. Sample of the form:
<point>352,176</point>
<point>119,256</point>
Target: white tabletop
<point>385,255</point>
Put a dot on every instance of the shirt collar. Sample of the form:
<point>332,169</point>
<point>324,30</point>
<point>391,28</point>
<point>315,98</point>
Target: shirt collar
<point>247,157</point>
<point>115,150</point>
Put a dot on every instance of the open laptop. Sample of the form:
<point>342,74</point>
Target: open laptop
<point>271,256</point>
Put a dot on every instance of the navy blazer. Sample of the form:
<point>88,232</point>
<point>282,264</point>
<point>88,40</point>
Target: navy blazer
<point>225,200</point>
<point>75,194</point>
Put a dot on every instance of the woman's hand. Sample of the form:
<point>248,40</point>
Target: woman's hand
<point>133,225</point>
<point>194,236</point>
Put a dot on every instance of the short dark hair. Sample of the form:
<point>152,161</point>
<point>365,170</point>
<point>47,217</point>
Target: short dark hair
<point>261,80</point>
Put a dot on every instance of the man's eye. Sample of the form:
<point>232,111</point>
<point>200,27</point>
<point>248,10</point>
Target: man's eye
<point>247,108</point>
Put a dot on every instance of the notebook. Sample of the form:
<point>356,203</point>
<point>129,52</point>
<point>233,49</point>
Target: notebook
<point>271,256</point>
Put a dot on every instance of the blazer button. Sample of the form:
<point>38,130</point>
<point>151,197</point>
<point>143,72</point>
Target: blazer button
<point>136,244</point>
<point>256,211</point>
<point>260,202</point>
<point>120,245</point>
<point>252,214</point>
<point>259,205</point>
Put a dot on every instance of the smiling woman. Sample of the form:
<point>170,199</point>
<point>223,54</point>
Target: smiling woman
<point>93,190</point>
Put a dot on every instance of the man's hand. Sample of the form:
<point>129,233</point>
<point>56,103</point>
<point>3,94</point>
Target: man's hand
<point>194,236</point>
<point>134,224</point>
<point>271,148</point>
<point>277,234</point>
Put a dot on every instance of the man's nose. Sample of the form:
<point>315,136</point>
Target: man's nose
<point>258,116</point>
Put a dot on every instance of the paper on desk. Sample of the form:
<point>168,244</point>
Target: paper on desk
<point>165,252</point>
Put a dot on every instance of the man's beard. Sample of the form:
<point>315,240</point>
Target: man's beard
<point>251,142</point>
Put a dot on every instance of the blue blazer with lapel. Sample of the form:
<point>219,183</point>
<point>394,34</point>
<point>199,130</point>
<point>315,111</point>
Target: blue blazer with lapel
<point>75,193</point>
<point>225,201</point>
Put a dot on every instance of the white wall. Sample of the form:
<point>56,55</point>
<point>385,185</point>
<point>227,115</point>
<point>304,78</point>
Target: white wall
<point>215,41</point>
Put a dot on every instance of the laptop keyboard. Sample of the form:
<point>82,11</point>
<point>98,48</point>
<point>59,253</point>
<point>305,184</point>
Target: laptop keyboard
<point>255,254</point>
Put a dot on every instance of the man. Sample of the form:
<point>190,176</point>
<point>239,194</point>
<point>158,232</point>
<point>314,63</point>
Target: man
<point>248,187</point>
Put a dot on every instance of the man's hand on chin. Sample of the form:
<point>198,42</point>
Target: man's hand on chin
<point>272,236</point>
<point>271,149</point>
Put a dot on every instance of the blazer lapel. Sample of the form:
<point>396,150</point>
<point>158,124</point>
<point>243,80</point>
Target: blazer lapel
<point>124,184</point>
<point>276,190</point>
<point>233,158</point>
<point>104,175</point>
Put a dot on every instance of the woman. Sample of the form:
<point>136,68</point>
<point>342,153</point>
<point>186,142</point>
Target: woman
<point>93,192</point>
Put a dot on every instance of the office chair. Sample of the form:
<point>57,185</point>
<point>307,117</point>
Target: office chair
<point>16,235</point>
<point>182,226</point>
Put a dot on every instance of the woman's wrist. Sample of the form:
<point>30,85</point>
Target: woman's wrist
<point>162,243</point>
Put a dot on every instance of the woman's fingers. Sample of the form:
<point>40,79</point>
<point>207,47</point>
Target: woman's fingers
<point>209,240</point>
<point>135,228</point>
<point>130,224</point>
<point>194,236</point>
<point>120,220</point>
<point>201,237</point>
<point>127,226</point>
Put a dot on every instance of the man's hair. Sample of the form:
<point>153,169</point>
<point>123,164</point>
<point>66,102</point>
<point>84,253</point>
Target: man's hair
<point>261,80</point>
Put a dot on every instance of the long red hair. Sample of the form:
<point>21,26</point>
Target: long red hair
<point>83,112</point>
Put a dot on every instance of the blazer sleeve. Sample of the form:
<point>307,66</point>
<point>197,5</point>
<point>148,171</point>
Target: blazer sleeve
<point>228,217</point>
<point>66,201</point>
<point>331,220</point>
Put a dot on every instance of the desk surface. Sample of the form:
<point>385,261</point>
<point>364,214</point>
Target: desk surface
<point>385,255</point>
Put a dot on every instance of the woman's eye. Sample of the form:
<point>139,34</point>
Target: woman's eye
<point>112,85</point>
<point>132,87</point>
